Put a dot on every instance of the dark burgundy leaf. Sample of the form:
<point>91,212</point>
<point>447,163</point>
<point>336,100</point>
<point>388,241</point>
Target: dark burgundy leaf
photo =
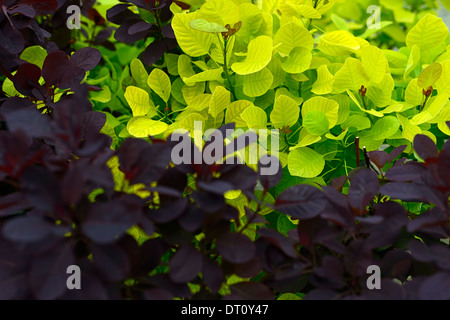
<point>185,264</point>
<point>23,10</point>
<point>301,201</point>
<point>363,187</point>
<point>54,63</point>
<point>410,171</point>
<point>107,222</point>
<point>280,241</point>
<point>209,202</point>
<point>27,229</point>
<point>169,211</point>
<point>156,50</point>
<point>395,153</point>
<point>167,31</point>
<point>192,219</point>
<point>48,274</point>
<point>425,147</point>
<point>435,253</point>
<point>397,264</point>
<point>330,274</point>
<point>139,26</point>
<point>436,287</point>
<point>212,275</point>
<point>236,247</point>
<point>111,262</point>
<point>12,40</point>
<point>378,157</point>
<point>86,58</point>
<point>27,78</point>
<point>412,192</point>
<point>250,291</point>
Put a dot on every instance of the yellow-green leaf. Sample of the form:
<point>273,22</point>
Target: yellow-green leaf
<point>324,82</point>
<point>258,83</point>
<point>305,139</point>
<point>305,162</point>
<point>159,82</point>
<point>374,63</point>
<point>328,107</point>
<point>299,60</point>
<point>429,76</point>
<point>413,94</point>
<point>258,56</point>
<point>255,117</point>
<point>431,110</point>
<point>139,102</point>
<point>208,75</point>
<point>220,100</point>
<point>222,12</point>
<point>192,42</point>
<point>351,76</point>
<point>293,35</point>
<point>338,43</point>
<point>409,131</point>
<point>142,127</point>
<point>285,112</point>
<point>234,110</point>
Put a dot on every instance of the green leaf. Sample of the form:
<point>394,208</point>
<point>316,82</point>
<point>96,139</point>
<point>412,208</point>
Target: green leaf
<point>328,107</point>
<point>305,139</point>
<point>139,102</point>
<point>429,33</point>
<point>324,82</point>
<point>35,55</point>
<point>369,111</point>
<point>159,82</point>
<point>220,100</point>
<point>257,84</point>
<point>298,60</point>
<point>429,76</point>
<point>222,12</point>
<point>413,61</point>
<point>139,73</point>
<point>409,130</point>
<point>255,117</point>
<point>206,26</point>
<point>305,162</point>
<point>192,42</point>
<point>374,63</point>
<point>431,110</point>
<point>338,43</point>
<point>208,75</point>
<point>142,127</point>
<point>234,110</point>
<point>293,35</point>
<point>351,76</point>
<point>316,123</point>
<point>356,121</point>
<point>102,96</point>
<point>258,56</point>
<point>285,112</point>
<point>413,94</point>
<point>443,83</point>
<point>385,127</point>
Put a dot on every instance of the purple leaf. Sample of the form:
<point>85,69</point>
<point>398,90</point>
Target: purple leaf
<point>111,262</point>
<point>363,187</point>
<point>425,147</point>
<point>86,58</point>
<point>301,201</point>
<point>27,229</point>
<point>250,291</point>
<point>212,275</point>
<point>48,274</point>
<point>412,192</point>
<point>410,171</point>
<point>436,287</point>
<point>185,265</point>
<point>107,222</point>
<point>236,247</point>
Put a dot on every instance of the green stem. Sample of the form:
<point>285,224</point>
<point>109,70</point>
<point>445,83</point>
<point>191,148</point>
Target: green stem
<point>225,68</point>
